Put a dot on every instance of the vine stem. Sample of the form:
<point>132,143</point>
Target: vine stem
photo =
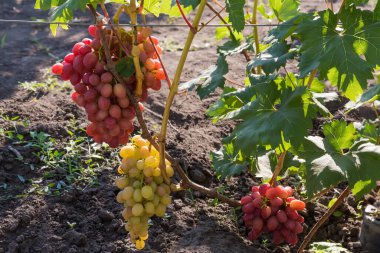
<point>186,182</point>
<point>323,219</point>
<point>211,19</point>
<point>278,168</point>
<point>162,64</point>
<point>342,5</point>
<point>185,18</point>
<point>175,83</point>
<point>311,77</point>
<point>255,31</point>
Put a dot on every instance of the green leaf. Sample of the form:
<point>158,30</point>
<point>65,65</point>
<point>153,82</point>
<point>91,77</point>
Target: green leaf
<point>339,135</point>
<point>285,29</point>
<point>125,67</point>
<point>367,157</point>
<point>170,8</point>
<point>327,165</point>
<point>233,47</point>
<point>369,96</point>
<point>230,101</point>
<point>152,6</point>
<point>284,9</point>
<point>209,80</point>
<point>273,118</point>
<point>235,9</point>
<point>226,162</point>
<point>356,2</point>
<point>371,132</point>
<point>341,48</point>
<point>273,58</point>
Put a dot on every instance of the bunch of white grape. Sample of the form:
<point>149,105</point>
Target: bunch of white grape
<point>143,190</point>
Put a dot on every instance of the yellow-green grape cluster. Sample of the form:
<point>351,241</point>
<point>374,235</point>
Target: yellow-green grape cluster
<point>143,190</point>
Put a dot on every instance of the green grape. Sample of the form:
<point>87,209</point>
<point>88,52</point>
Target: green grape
<point>166,200</point>
<point>134,220</point>
<point>156,172</point>
<point>140,164</point>
<point>136,184</point>
<point>147,192</point>
<point>137,209</point>
<point>137,195</point>
<point>156,200</point>
<point>127,193</point>
<point>158,180</point>
<point>121,182</point>
<point>130,202</point>
<point>160,210</point>
<point>148,171</point>
<point>134,172</point>
<point>140,244</point>
<point>149,208</point>
<point>154,186</point>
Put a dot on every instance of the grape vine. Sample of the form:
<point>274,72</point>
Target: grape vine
<point>337,51</point>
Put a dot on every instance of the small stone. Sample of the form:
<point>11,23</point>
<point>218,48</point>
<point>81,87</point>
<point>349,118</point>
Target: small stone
<point>12,225</point>
<point>354,232</point>
<point>105,215</point>
<point>20,238</point>
<point>197,176</point>
<point>13,247</point>
<point>178,204</point>
<point>351,201</point>
<point>75,238</point>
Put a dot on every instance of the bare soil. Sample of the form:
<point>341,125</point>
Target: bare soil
<point>40,223</point>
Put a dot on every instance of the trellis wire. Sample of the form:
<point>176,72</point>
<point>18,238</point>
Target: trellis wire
<point>37,22</point>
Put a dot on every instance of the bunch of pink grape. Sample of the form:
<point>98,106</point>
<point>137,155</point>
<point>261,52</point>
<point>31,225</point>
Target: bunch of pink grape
<point>273,210</point>
<point>96,90</point>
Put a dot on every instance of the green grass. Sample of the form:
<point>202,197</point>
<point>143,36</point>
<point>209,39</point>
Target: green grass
<point>49,83</point>
<point>72,162</point>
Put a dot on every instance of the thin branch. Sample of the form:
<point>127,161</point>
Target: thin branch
<point>162,64</point>
<point>323,219</point>
<point>211,19</point>
<point>311,77</point>
<point>255,31</point>
<point>184,17</point>
<point>278,168</point>
<point>232,81</point>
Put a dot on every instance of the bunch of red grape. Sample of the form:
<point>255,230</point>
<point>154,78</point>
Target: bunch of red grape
<point>105,100</point>
<point>273,210</point>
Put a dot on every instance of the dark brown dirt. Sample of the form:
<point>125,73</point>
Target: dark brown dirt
<point>89,220</point>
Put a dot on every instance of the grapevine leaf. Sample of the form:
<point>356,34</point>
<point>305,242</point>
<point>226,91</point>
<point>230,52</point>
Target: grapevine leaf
<point>369,96</point>
<point>272,58</point>
<point>226,162</point>
<point>341,50</point>
<point>273,117</point>
<point>47,4</point>
<point>223,32</point>
<point>325,166</point>
<point>170,8</point>
<point>285,29</point>
<point>192,3</point>
<point>284,9</point>
<point>366,168</point>
<point>338,158</point>
<point>235,8</point>
<point>230,100</point>
<point>152,6</point>
<point>339,135</point>
<point>356,2</point>
<point>209,80</point>
<point>125,67</point>
<point>232,47</point>
<point>371,132</point>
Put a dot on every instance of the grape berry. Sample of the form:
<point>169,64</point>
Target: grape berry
<point>143,190</point>
<point>273,210</point>
<point>96,90</point>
